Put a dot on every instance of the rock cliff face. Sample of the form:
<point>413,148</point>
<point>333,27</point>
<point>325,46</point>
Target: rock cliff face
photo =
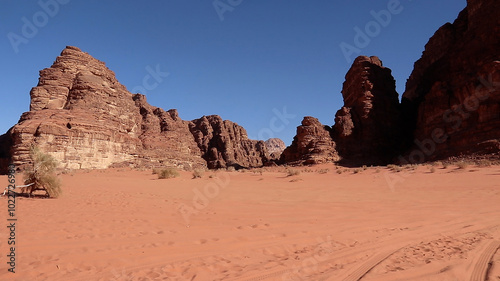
<point>366,128</point>
<point>312,144</point>
<point>451,105</point>
<point>452,98</point>
<point>85,118</point>
<point>224,144</point>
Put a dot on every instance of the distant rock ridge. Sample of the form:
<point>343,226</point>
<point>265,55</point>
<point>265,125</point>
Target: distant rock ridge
<point>86,119</point>
<point>275,147</point>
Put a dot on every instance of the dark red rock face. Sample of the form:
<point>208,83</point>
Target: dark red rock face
<point>452,100</point>
<point>85,118</point>
<point>366,129</point>
<point>312,144</point>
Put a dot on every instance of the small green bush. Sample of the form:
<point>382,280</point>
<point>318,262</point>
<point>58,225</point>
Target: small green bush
<point>168,173</point>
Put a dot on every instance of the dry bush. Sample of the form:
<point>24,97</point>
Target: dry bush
<point>364,167</point>
<point>292,172</point>
<point>198,173</point>
<point>339,171</point>
<point>462,165</point>
<point>231,169</point>
<point>432,169</point>
<point>483,163</point>
<point>308,170</point>
<point>357,170</point>
<point>323,171</point>
<point>42,174</point>
<point>168,173</point>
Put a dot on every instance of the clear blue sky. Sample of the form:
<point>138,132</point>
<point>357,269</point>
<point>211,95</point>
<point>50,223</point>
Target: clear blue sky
<point>263,55</point>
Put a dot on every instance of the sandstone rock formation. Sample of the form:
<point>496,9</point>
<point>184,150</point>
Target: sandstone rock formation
<point>312,144</point>
<point>366,128</point>
<point>224,144</point>
<point>452,98</point>
<point>85,118</point>
<point>451,105</point>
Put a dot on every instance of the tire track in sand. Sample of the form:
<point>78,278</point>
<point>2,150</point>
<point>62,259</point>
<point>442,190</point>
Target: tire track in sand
<point>483,262</point>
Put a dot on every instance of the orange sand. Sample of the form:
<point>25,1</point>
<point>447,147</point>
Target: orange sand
<point>128,225</point>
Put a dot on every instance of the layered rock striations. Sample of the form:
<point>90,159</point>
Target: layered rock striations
<point>85,118</point>
<point>452,98</point>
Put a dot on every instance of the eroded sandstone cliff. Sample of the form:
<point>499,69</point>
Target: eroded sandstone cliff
<point>86,119</point>
<point>366,128</point>
<point>452,98</point>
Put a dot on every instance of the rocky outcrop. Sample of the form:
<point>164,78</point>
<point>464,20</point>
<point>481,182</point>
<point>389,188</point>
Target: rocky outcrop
<point>275,147</point>
<point>225,144</point>
<point>85,118</point>
<point>312,144</point>
<point>366,128</point>
<point>452,98</point>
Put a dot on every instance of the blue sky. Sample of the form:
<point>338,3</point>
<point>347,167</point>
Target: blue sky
<point>262,64</point>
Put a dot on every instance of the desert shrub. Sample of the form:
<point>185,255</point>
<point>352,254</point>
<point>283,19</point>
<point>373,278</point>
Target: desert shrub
<point>339,171</point>
<point>391,166</point>
<point>308,170</point>
<point>323,171</point>
<point>445,165</point>
<point>484,163</point>
<point>168,173</point>
<point>292,172</point>
<point>156,171</point>
<point>231,169</point>
<point>41,174</point>
<point>462,165</point>
<point>437,163</point>
<point>364,167</point>
<point>357,170</point>
<point>432,170</point>
<point>198,173</point>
